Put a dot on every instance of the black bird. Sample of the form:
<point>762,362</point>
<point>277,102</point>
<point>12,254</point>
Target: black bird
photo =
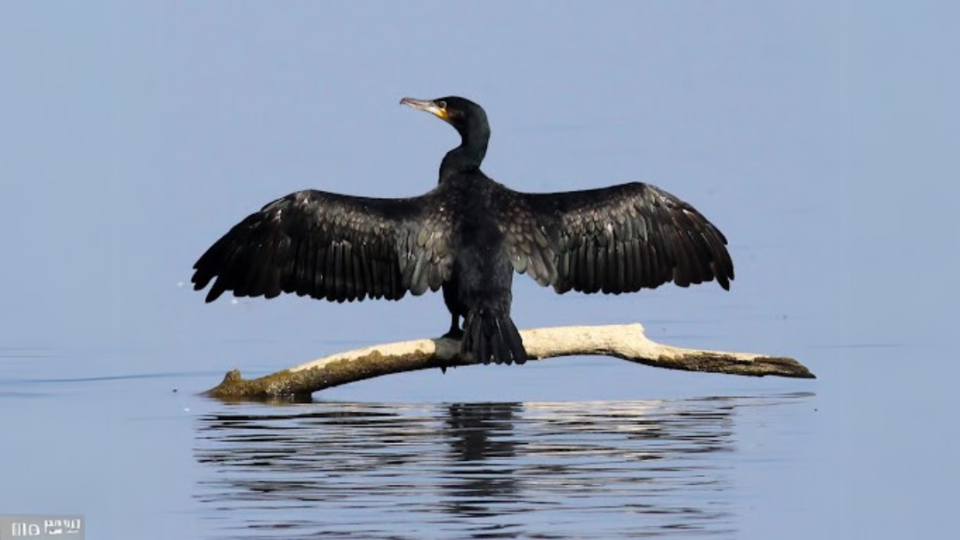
<point>468,235</point>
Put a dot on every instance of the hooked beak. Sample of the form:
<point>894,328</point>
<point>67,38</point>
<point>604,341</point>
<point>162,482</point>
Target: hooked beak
<point>426,105</point>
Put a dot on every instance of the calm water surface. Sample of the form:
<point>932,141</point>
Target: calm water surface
<point>478,470</point>
<point>143,456</point>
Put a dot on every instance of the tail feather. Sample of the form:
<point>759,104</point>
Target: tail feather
<point>488,336</point>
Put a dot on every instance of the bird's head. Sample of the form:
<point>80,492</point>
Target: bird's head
<point>465,116</point>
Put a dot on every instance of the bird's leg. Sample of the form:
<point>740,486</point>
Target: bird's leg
<point>455,331</point>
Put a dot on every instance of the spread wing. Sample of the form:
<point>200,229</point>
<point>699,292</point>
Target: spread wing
<point>333,247</point>
<point>617,239</point>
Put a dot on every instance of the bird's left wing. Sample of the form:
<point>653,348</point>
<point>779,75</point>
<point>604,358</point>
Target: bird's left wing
<point>333,247</point>
<point>615,239</point>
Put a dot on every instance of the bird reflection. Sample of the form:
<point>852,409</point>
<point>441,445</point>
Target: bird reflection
<point>479,431</point>
<point>482,434</point>
<point>563,470</point>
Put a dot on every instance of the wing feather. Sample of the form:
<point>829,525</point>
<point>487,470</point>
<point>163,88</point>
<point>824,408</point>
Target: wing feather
<point>334,247</point>
<point>616,239</point>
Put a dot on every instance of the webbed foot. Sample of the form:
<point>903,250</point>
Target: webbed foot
<point>454,333</point>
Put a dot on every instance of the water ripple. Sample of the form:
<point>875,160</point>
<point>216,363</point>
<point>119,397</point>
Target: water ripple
<point>628,469</point>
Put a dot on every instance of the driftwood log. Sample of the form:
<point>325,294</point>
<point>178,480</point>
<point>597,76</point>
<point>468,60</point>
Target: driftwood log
<point>621,341</point>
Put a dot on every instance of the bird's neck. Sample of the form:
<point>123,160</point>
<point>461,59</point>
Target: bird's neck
<point>468,156</point>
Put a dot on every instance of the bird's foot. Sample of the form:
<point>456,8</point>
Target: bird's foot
<point>454,333</point>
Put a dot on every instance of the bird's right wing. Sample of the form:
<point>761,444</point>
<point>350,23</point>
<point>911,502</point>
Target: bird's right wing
<point>616,239</point>
<point>333,247</point>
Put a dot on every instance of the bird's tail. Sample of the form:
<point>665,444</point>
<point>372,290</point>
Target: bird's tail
<point>490,335</point>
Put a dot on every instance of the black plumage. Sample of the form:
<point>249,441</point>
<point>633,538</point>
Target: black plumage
<point>467,236</point>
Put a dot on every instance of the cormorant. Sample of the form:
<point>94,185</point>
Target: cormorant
<point>467,236</point>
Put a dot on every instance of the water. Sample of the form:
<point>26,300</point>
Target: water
<point>143,456</point>
<point>477,470</point>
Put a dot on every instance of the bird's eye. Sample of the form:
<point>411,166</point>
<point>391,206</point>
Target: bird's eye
<point>442,104</point>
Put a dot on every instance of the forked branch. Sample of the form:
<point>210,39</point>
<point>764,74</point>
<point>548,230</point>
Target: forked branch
<point>621,341</point>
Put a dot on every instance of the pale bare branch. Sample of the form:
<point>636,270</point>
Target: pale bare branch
<point>621,341</point>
